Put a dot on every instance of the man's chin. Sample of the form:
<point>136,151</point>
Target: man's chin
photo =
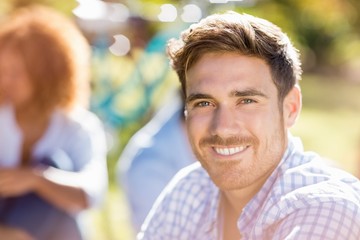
<point>226,185</point>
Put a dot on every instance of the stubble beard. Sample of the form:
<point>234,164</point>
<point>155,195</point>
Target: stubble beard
<point>232,177</point>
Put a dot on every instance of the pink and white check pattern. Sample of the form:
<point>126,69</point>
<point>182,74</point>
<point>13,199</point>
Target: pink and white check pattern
<point>302,199</point>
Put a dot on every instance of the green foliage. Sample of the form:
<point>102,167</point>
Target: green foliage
<point>317,27</point>
<point>65,6</point>
<point>322,29</point>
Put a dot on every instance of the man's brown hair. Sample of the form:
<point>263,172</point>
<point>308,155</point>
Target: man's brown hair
<point>238,33</point>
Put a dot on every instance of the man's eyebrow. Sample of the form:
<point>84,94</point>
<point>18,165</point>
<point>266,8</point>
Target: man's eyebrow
<point>235,93</point>
<point>195,96</point>
<point>247,93</point>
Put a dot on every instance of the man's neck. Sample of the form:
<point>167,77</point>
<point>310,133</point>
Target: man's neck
<point>231,206</point>
<point>238,198</point>
<point>228,220</point>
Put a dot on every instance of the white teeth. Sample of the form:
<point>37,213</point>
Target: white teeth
<point>229,151</point>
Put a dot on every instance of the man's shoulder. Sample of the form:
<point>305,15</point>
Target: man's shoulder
<point>307,193</point>
<point>193,177</point>
<point>315,183</point>
<point>184,206</point>
<point>190,188</point>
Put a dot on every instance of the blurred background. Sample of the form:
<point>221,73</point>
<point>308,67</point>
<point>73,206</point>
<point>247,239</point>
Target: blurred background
<point>131,76</point>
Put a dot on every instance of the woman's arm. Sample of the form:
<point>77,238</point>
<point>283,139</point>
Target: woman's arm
<point>71,190</point>
<point>56,186</point>
<point>11,233</point>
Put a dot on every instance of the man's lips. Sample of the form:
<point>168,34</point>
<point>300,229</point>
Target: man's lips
<point>228,151</point>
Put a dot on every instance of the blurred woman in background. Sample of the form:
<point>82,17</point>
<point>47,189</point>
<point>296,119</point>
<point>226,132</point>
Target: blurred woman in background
<point>52,149</point>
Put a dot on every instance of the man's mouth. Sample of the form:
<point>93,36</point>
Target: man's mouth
<point>228,151</point>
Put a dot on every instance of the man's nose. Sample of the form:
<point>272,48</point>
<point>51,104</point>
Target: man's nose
<point>225,122</point>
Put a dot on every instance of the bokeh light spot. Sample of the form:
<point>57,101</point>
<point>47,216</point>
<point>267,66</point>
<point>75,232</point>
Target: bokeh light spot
<point>168,13</point>
<point>118,12</point>
<point>121,46</point>
<point>90,9</point>
<point>192,13</point>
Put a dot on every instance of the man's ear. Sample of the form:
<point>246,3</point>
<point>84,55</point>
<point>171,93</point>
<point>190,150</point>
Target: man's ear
<point>292,106</point>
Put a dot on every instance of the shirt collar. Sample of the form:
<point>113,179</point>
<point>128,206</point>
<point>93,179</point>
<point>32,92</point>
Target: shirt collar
<point>253,208</point>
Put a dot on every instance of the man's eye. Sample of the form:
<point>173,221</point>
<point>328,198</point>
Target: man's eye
<point>247,101</point>
<point>202,104</point>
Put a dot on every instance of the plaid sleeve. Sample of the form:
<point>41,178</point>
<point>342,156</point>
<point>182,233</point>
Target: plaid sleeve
<point>178,210</point>
<point>329,220</point>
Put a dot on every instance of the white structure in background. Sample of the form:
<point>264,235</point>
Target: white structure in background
<point>98,16</point>
<point>224,1</point>
<point>121,46</point>
<point>191,13</point>
<point>168,13</point>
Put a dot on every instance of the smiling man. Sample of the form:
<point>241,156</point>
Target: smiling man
<point>253,180</point>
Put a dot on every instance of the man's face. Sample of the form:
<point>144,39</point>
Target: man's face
<point>235,124</point>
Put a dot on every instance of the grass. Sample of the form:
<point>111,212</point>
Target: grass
<point>329,124</point>
<point>330,120</point>
<point>333,134</point>
<point>112,221</point>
